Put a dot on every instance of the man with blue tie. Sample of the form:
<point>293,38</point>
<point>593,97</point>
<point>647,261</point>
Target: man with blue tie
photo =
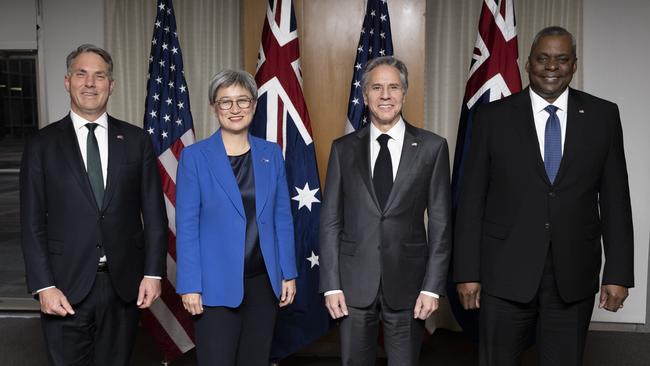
<point>546,178</point>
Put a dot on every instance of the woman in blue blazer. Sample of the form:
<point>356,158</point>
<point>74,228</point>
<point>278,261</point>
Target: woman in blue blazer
<point>235,249</point>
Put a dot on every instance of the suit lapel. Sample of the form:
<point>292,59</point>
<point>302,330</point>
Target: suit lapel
<point>362,161</point>
<point>116,144</point>
<point>221,170</point>
<point>524,121</point>
<point>574,129</point>
<point>261,161</point>
<point>407,162</point>
<point>70,147</point>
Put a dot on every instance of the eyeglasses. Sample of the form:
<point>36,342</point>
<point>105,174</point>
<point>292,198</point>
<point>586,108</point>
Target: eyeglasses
<point>226,104</point>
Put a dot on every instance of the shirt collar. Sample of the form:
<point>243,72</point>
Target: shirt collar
<point>540,103</point>
<point>80,122</point>
<point>396,132</point>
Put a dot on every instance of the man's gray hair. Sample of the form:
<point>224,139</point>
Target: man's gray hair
<point>554,31</point>
<point>94,49</point>
<point>390,61</point>
<point>226,78</point>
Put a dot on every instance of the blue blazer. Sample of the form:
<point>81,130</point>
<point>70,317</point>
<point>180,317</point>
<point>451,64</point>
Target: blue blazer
<point>211,221</point>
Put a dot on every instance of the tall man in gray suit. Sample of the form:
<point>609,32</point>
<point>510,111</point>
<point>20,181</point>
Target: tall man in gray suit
<point>378,261</point>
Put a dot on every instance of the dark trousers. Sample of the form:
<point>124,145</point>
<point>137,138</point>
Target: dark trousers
<point>402,335</point>
<point>560,328</point>
<point>238,336</point>
<point>101,332</point>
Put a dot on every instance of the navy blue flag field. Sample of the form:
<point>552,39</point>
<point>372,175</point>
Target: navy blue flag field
<point>376,40</point>
<point>282,117</point>
<point>493,74</point>
<point>168,121</point>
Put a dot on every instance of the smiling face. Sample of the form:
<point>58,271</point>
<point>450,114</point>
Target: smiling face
<point>236,119</point>
<point>89,85</point>
<point>384,95</point>
<point>550,66</point>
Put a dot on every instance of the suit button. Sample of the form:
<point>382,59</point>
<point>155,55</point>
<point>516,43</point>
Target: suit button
<point>382,218</point>
<point>547,226</point>
<point>551,194</point>
<point>101,217</point>
<point>99,245</point>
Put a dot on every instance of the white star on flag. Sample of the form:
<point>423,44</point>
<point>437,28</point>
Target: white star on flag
<point>150,130</point>
<point>355,101</point>
<point>305,197</point>
<point>313,260</point>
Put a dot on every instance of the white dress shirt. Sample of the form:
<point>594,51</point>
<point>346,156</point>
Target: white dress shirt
<point>395,144</point>
<point>541,116</point>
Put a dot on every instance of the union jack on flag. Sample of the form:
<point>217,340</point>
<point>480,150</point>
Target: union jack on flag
<point>282,117</point>
<point>375,40</point>
<point>169,122</point>
<point>493,74</point>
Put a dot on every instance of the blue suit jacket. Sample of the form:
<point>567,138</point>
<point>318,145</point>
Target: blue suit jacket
<point>211,221</point>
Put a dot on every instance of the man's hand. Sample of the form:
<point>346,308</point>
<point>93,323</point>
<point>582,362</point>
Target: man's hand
<point>612,297</point>
<point>469,294</point>
<point>53,302</point>
<point>288,292</point>
<point>425,305</point>
<point>149,291</point>
<point>335,304</point>
<point>193,303</point>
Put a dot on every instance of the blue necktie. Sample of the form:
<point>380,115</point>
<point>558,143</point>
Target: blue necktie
<point>552,143</point>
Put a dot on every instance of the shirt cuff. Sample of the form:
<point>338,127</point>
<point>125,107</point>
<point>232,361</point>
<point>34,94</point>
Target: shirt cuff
<point>432,294</point>
<point>332,292</point>
<point>153,277</point>
<point>43,289</point>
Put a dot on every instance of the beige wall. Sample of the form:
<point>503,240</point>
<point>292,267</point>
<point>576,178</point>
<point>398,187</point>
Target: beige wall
<point>329,32</point>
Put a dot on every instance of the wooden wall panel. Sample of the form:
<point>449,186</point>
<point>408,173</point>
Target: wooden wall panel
<point>329,32</point>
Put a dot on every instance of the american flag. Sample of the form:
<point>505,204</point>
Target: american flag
<point>493,74</point>
<point>282,117</point>
<point>169,122</point>
<point>376,40</point>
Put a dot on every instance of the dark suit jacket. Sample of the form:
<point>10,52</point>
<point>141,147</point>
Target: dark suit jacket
<point>510,215</point>
<point>361,245</point>
<point>62,225</point>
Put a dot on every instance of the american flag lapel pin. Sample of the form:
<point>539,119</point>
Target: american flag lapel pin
<point>120,137</point>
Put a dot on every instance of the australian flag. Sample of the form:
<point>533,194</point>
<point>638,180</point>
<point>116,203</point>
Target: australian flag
<point>493,74</point>
<point>282,117</point>
<point>376,40</point>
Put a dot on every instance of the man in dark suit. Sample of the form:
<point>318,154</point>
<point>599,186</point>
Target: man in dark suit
<point>377,259</point>
<point>94,228</point>
<point>545,179</point>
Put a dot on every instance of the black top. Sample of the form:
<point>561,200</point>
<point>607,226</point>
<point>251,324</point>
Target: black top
<point>243,169</point>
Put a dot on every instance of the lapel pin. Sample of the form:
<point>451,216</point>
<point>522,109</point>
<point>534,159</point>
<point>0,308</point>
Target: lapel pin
<point>120,137</point>
<point>414,144</point>
<point>581,111</point>
<point>265,160</point>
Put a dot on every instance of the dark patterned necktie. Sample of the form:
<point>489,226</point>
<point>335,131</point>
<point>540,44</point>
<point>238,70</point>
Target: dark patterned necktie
<point>552,143</point>
<point>382,176</point>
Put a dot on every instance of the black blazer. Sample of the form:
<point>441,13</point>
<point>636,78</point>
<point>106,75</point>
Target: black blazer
<point>510,215</point>
<point>62,225</point>
<point>360,244</point>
